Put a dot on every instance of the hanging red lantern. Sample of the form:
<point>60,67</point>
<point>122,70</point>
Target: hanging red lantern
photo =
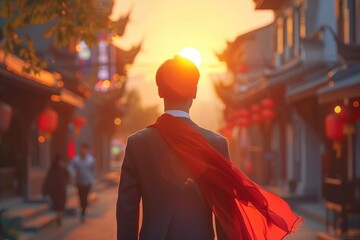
<point>48,121</point>
<point>79,122</point>
<point>334,125</point>
<point>255,118</point>
<point>267,114</point>
<point>335,128</point>
<point>255,108</point>
<point>5,117</point>
<point>242,112</point>
<point>71,149</point>
<point>268,103</point>
<point>243,122</point>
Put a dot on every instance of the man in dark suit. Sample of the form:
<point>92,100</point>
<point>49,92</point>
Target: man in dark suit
<point>173,204</point>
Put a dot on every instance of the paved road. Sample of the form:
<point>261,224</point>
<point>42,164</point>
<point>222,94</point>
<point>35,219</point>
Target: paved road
<point>307,231</point>
<point>101,223</point>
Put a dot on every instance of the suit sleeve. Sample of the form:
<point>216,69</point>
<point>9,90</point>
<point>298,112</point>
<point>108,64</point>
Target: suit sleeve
<point>221,235</point>
<point>127,209</point>
<point>224,149</point>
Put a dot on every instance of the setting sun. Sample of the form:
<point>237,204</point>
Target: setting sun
<point>191,54</point>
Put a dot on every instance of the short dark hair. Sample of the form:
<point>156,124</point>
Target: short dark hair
<point>177,79</point>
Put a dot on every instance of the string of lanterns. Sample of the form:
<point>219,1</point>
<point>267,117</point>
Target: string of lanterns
<point>257,113</point>
<point>47,122</point>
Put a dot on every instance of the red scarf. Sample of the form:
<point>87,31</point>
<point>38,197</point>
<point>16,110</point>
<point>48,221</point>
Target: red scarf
<point>244,209</point>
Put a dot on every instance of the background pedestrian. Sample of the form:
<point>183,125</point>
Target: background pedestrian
<point>55,183</point>
<point>83,167</point>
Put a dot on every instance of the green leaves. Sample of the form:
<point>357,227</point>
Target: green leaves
<point>67,21</point>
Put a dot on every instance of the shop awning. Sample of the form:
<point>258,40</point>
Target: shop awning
<point>311,83</point>
<point>348,86</point>
<point>285,72</point>
<point>11,70</point>
<point>16,80</point>
<point>12,67</point>
<point>71,98</point>
<point>309,67</point>
<point>309,61</point>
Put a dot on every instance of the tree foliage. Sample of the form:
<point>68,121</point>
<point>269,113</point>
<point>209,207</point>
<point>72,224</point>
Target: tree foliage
<point>68,21</point>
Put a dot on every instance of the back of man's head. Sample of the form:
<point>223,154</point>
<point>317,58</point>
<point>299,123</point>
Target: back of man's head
<point>177,79</point>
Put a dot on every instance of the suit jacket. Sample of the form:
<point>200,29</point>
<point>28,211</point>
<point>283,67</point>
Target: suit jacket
<point>173,206</point>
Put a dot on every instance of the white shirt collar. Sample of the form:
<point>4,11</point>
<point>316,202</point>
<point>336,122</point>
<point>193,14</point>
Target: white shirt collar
<point>178,113</point>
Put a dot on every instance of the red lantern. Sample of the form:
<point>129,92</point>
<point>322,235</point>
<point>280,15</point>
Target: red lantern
<point>268,103</point>
<point>255,118</point>
<point>242,112</point>
<point>48,121</point>
<point>255,108</point>
<point>334,125</point>
<point>78,122</point>
<point>243,122</point>
<point>71,149</point>
<point>5,117</point>
<point>268,114</point>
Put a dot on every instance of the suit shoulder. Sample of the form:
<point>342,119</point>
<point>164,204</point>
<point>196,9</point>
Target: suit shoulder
<point>212,135</point>
<point>143,134</point>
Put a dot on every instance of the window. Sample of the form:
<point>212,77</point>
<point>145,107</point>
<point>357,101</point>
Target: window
<point>280,34</point>
<point>299,27</point>
<point>296,41</point>
<point>289,27</point>
<point>302,19</point>
<point>345,22</point>
<point>357,22</point>
<point>348,12</point>
<point>289,34</point>
<point>289,24</point>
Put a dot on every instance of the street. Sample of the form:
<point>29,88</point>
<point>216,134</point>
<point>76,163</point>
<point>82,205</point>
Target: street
<point>279,80</point>
<point>101,223</point>
<point>307,231</point>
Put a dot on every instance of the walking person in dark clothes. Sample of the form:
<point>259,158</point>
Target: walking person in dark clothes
<point>83,166</point>
<point>55,183</point>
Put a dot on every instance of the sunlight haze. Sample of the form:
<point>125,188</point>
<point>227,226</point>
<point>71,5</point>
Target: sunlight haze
<point>166,27</point>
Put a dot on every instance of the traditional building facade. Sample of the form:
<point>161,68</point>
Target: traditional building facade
<point>313,81</point>
<point>103,109</point>
<point>25,152</point>
<point>49,113</point>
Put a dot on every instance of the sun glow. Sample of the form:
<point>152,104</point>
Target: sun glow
<point>192,54</point>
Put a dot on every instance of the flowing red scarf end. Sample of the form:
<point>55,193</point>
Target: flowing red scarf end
<point>244,209</point>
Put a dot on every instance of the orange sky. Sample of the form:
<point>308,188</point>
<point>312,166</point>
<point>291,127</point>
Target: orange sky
<point>167,26</point>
